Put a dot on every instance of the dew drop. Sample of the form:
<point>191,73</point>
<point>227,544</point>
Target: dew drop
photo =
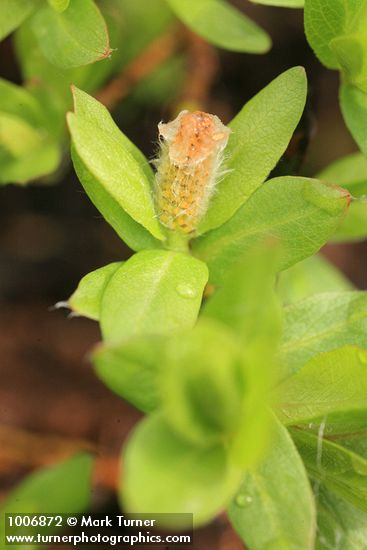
<point>243,500</point>
<point>186,291</point>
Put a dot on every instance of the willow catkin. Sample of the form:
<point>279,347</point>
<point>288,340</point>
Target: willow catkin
<point>188,168</point>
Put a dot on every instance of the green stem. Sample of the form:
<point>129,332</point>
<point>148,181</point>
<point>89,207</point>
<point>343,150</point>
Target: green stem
<point>178,242</point>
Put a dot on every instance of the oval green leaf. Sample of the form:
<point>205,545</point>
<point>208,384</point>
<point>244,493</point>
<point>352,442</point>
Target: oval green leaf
<point>302,213</point>
<point>340,470</point>
<point>76,36</point>
<point>221,24</point>
<point>166,474</point>
<point>131,370</point>
<point>260,134</point>
<point>154,292</point>
<point>324,21</point>
<point>353,103</point>
<point>130,231</point>
<point>13,13</point>
<point>61,488</point>
<point>86,299</point>
<point>333,382</point>
<point>203,384</point>
<point>339,524</point>
<point>349,172</point>
<point>120,168</point>
<point>322,323</point>
<point>276,490</point>
<point>27,149</point>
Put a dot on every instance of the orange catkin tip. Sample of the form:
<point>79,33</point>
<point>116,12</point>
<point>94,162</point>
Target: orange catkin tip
<point>188,168</point>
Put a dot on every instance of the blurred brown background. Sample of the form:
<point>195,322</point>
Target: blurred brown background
<point>51,235</point>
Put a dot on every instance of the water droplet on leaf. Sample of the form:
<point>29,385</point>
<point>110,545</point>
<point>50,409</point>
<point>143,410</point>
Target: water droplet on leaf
<point>243,500</point>
<point>186,291</point>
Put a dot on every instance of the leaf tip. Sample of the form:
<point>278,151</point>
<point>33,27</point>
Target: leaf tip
<point>301,72</point>
<point>75,91</point>
<point>344,194</point>
<point>107,53</point>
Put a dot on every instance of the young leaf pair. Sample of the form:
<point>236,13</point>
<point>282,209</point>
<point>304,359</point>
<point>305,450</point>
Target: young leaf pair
<point>120,181</point>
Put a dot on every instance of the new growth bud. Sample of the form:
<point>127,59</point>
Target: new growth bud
<point>188,168</point>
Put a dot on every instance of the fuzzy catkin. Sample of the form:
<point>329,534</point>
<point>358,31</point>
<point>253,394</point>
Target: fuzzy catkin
<point>188,168</point>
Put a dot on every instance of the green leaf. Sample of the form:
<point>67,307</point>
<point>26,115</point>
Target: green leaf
<point>128,367</point>
<point>350,172</point>
<point>311,276</point>
<point>322,323</point>
<point>165,473</point>
<point>222,25</point>
<point>19,102</point>
<point>203,384</point>
<point>112,160</point>
<point>351,52</point>
<point>277,491</point>
<point>77,36</point>
<point>247,304</point>
<point>13,13</point>
<point>340,470</point>
<point>333,382</point>
<point>27,150</point>
<point>353,103</point>
<point>339,524</point>
<point>61,488</point>
<point>86,300</point>
<point>130,231</point>
<point>260,134</point>
<point>25,154</point>
<point>355,441</point>
<point>131,370</point>
<point>354,227</point>
<point>51,83</point>
<point>59,5</point>
<point>154,292</point>
<point>326,20</point>
<point>302,213</point>
<point>246,299</point>
<point>281,3</point>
